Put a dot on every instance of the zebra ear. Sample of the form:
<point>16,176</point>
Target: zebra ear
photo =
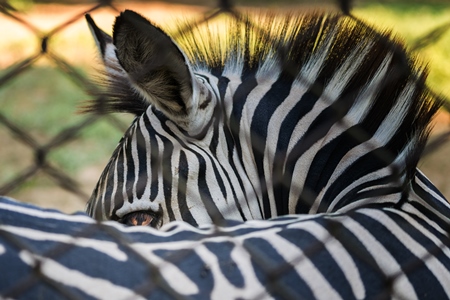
<point>157,68</point>
<point>106,48</point>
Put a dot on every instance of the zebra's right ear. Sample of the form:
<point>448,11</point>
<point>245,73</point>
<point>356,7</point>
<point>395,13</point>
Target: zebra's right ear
<point>106,48</point>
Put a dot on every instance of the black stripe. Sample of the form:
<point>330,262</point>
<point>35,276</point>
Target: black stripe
<point>315,132</point>
<point>301,108</point>
<point>420,177</point>
<point>183,169</point>
<point>442,237</point>
<point>371,274</point>
<point>353,173</point>
<point>230,140</point>
<point>165,165</point>
<point>154,158</point>
<point>320,257</point>
<point>266,260</point>
<point>130,166</point>
<point>259,126</point>
<point>420,281</point>
<point>124,142</point>
<point>239,100</point>
<point>423,194</point>
<point>327,160</point>
<point>435,250</point>
<point>142,151</point>
<point>370,162</point>
<point>205,195</point>
<point>443,223</point>
<point>118,197</point>
<point>108,187</point>
<point>231,147</point>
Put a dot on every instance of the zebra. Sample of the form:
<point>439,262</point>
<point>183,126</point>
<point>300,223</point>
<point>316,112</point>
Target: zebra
<point>370,253</point>
<point>330,207</point>
<point>311,113</point>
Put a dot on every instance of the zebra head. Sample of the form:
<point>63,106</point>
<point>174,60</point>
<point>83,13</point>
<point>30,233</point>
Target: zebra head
<point>300,114</point>
<point>163,168</point>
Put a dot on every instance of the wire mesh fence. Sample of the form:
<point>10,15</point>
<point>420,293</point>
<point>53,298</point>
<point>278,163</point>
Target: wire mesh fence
<point>43,150</point>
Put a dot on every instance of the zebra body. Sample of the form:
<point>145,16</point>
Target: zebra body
<point>320,113</point>
<point>369,253</point>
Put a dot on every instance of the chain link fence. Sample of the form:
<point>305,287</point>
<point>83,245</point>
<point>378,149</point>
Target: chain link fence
<point>22,139</point>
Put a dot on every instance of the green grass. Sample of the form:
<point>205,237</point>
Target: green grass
<point>410,22</point>
<point>44,100</point>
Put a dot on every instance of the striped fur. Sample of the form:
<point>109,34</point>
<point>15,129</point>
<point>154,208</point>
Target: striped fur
<point>369,253</point>
<point>295,115</point>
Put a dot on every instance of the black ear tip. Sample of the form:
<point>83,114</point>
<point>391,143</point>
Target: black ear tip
<point>89,19</point>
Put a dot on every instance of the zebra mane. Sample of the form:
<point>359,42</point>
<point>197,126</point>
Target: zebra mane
<point>247,42</point>
<point>269,42</point>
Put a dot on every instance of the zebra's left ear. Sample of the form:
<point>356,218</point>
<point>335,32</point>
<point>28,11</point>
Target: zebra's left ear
<point>107,49</point>
<point>157,68</point>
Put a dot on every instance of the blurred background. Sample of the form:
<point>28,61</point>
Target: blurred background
<point>51,155</point>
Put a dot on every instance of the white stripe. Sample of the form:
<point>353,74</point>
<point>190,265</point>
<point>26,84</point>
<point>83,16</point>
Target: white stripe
<point>169,271</point>
<point>92,286</point>
<point>412,210</point>
<point>390,198</point>
<point>426,232</point>
<point>134,157</point>
<point>341,257</point>
<point>110,249</point>
<point>430,191</point>
<point>115,185</point>
<point>315,63</point>
<point>365,99</point>
<point>38,213</point>
<point>399,163</point>
<point>314,279</point>
<point>402,287</point>
<point>382,136</point>
<point>264,85</point>
<point>433,264</point>
<point>396,115</point>
<point>222,286</point>
<point>249,191</point>
<point>330,94</point>
<point>125,172</point>
<point>150,180</point>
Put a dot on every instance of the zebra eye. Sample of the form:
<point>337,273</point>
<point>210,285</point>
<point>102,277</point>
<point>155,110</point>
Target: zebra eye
<point>140,218</point>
